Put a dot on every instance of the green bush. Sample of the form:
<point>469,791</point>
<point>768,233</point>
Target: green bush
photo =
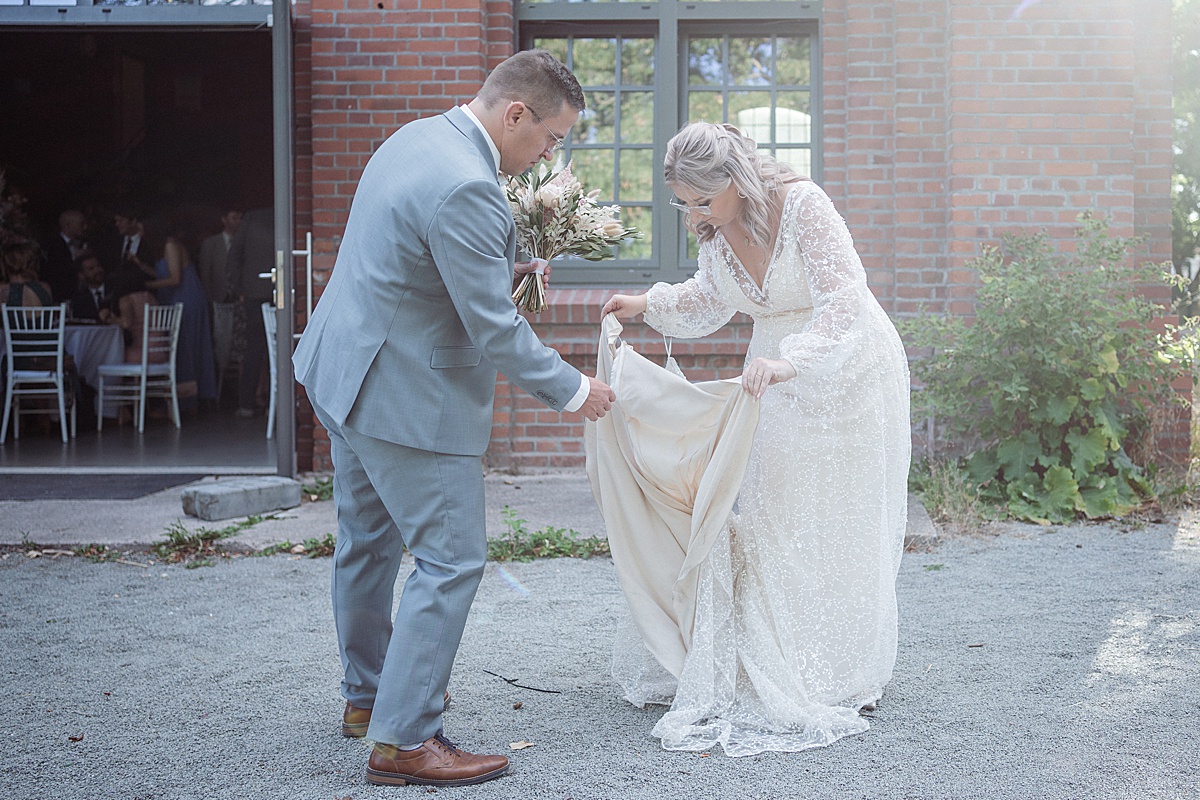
<point>1060,367</point>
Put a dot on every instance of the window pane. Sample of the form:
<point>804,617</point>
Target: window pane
<point>793,64</point>
<point>639,217</point>
<point>750,61</point>
<point>620,110</point>
<point>793,124</point>
<point>637,175</point>
<point>594,168</point>
<point>751,112</point>
<point>704,106</point>
<point>637,62</point>
<point>801,160</point>
<point>597,123</point>
<point>705,65</point>
<point>595,61</point>
<point>755,74</point>
<point>556,47</point>
<point>637,117</point>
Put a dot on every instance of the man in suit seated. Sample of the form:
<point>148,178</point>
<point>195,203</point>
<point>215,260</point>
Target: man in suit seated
<point>91,297</point>
<point>61,250</point>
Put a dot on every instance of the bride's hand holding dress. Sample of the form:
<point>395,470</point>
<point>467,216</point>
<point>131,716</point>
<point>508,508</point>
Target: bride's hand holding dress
<point>624,306</point>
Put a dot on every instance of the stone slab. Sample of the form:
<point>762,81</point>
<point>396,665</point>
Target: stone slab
<point>921,533</point>
<point>240,497</point>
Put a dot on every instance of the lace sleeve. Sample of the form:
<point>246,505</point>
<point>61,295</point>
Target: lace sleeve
<point>838,285</point>
<point>690,309</point>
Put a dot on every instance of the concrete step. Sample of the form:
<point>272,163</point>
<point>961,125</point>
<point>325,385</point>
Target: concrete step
<point>240,497</point>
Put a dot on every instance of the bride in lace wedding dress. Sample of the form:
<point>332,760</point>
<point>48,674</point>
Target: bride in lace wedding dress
<point>794,625</point>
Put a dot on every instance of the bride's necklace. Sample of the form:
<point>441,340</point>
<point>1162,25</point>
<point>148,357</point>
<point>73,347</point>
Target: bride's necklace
<point>756,256</point>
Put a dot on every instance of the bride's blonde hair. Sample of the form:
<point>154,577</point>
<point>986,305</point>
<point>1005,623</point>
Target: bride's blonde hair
<point>707,158</point>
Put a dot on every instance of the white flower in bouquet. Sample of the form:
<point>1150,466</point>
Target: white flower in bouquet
<point>555,217</point>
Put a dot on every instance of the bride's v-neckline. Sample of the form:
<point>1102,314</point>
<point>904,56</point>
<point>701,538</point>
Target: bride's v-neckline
<point>738,266</point>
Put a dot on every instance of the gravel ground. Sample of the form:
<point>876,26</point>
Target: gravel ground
<point>1033,663</point>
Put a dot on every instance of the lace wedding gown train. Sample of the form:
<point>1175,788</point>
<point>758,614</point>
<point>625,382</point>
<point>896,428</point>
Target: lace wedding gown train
<point>793,618</point>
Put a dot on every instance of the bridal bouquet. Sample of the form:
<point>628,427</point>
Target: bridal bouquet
<point>555,217</point>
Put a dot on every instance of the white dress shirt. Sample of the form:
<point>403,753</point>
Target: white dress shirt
<point>131,244</point>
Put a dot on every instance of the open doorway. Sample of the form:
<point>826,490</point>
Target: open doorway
<point>176,123</point>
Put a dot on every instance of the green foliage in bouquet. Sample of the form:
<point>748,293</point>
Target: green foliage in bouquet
<point>1060,367</point>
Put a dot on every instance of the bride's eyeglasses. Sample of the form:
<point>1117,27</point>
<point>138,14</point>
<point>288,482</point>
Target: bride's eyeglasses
<point>703,209</point>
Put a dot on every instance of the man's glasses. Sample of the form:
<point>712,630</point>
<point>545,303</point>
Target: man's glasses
<point>704,209</point>
<point>558,141</point>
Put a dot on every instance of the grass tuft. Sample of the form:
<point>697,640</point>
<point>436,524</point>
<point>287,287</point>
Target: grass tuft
<point>518,544</point>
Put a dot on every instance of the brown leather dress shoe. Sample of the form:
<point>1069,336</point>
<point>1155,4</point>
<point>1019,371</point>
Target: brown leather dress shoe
<point>437,762</point>
<point>355,721</point>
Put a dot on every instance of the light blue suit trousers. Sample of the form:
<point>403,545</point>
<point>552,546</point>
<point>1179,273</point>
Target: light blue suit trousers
<point>389,497</point>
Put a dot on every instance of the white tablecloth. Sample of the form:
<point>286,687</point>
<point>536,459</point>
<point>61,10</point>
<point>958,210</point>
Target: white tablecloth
<point>91,346</point>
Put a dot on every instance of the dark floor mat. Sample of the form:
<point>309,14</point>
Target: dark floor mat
<point>44,486</point>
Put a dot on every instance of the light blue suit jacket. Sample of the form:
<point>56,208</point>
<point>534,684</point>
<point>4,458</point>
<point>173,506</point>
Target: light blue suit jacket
<point>417,317</point>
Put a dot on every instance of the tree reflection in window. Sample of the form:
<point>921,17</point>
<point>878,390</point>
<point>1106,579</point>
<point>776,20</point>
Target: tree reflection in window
<point>611,147</point>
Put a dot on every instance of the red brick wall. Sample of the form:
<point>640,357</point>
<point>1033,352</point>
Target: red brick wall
<point>946,123</point>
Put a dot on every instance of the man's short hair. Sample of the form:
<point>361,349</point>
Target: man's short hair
<point>536,78</point>
<point>83,258</point>
<point>130,210</point>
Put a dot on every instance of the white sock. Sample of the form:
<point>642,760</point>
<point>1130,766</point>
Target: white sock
<point>409,746</point>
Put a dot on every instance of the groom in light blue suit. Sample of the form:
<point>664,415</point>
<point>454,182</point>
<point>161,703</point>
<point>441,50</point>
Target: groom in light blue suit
<point>399,361</point>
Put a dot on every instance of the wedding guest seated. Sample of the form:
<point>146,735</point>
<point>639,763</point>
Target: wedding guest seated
<point>60,252</point>
<point>91,297</point>
<point>126,306</point>
<point>19,284</point>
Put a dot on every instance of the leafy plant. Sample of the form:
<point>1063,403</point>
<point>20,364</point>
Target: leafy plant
<point>518,544</point>
<point>1185,161</point>
<point>322,489</point>
<point>184,545</point>
<point>312,547</point>
<point>1059,371</point>
<point>949,495</point>
<point>97,553</point>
